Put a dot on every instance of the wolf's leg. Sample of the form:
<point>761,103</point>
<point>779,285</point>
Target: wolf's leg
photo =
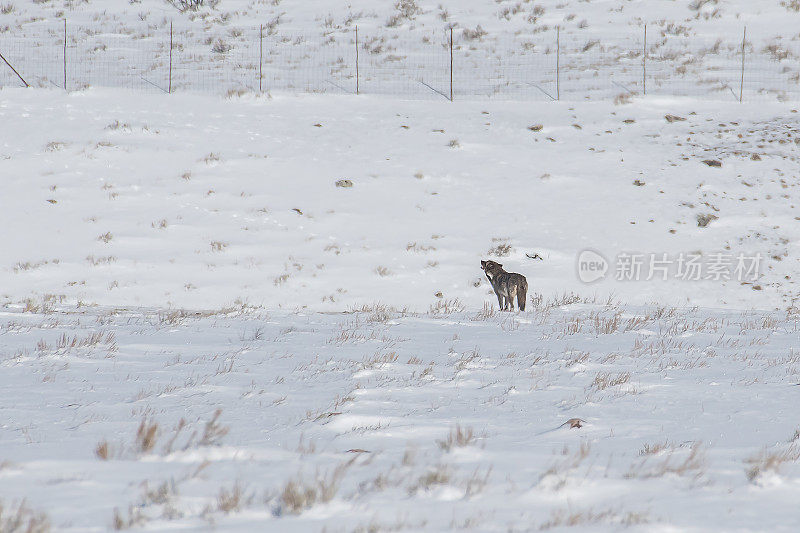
<point>512,293</point>
<point>500,301</point>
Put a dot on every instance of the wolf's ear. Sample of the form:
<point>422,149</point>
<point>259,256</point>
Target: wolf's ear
<point>483,264</point>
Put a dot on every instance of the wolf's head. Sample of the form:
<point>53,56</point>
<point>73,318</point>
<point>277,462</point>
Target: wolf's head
<point>491,268</point>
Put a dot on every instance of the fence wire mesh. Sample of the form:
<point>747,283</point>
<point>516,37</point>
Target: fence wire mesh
<point>414,65</point>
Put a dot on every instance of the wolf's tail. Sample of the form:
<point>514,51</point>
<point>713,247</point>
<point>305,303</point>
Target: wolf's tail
<point>522,294</point>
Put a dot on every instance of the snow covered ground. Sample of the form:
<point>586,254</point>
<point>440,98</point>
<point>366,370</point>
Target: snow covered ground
<point>198,202</point>
<point>167,257</point>
<point>266,312</point>
<point>380,420</point>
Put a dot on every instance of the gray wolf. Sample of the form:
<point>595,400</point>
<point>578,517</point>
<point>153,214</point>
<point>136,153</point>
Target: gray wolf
<point>507,285</point>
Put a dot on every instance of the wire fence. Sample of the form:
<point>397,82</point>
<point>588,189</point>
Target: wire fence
<point>545,65</point>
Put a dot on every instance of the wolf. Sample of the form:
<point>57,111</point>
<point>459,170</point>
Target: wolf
<point>507,285</point>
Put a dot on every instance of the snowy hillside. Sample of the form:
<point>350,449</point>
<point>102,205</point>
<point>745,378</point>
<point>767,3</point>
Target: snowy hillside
<point>126,199</point>
<point>233,309</point>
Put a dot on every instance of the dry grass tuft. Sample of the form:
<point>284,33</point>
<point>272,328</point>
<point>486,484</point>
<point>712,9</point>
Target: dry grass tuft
<point>569,461</point>
<point>230,500</point>
<point>148,433</point>
<point>135,518</point>
<point>458,437</point>
<point>91,340</point>
<point>218,246</point>
<point>501,250</point>
<point>165,493</point>
<point>146,436</point>
<point>487,312</point>
<point>378,312</point>
<point>440,475</point>
<point>213,432</point>
<point>565,298</point>
<point>657,448</point>
<point>297,497</point>
<point>466,359</point>
<point>477,482</point>
<point>298,494</point>
<point>622,99</point>
<point>605,380</point>
<point>692,464</point>
<point>605,325</point>
<point>382,271</point>
<point>446,307</point>
<point>570,517</point>
<point>20,518</point>
<point>770,461</point>
<point>102,451</point>
<point>419,248</point>
<point>379,359</point>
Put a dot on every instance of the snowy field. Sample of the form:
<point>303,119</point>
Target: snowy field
<point>380,420</point>
<point>266,311</point>
<point>169,257</point>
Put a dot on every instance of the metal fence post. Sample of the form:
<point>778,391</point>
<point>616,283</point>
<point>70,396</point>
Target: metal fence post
<point>741,82</point>
<point>644,63</point>
<point>558,64</point>
<point>451,63</point>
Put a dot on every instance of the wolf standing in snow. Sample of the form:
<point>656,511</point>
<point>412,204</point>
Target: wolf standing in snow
<point>507,285</point>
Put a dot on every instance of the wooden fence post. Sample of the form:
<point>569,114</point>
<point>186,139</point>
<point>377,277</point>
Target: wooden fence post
<point>15,70</point>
